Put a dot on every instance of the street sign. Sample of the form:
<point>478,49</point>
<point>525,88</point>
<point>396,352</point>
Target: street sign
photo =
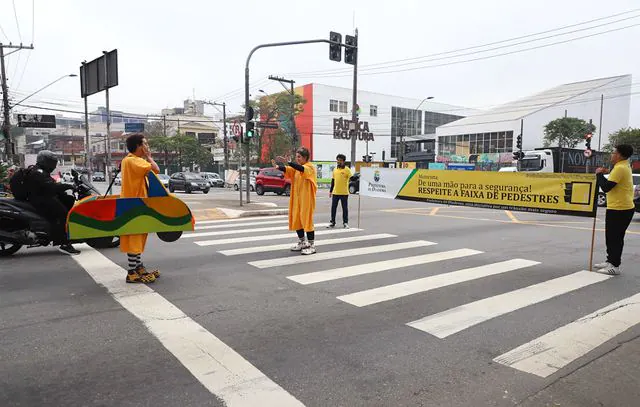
<point>133,127</point>
<point>588,153</point>
<point>266,125</point>
<point>40,121</point>
<point>236,129</point>
<point>96,79</point>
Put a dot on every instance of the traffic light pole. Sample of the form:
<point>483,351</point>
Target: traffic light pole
<point>354,115</point>
<point>246,95</point>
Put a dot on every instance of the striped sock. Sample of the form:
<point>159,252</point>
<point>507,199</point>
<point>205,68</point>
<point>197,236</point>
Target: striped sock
<point>134,261</point>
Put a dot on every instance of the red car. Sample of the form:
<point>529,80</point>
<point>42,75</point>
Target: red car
<point>272,180</point>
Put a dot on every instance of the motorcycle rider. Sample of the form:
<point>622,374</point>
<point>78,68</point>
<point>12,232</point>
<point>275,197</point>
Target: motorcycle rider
<point>50,198</point>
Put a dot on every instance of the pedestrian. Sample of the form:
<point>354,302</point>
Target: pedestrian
<point>135,167</point>
<point>620,207</point>
<point>339,191</point>
<point>302,202</point>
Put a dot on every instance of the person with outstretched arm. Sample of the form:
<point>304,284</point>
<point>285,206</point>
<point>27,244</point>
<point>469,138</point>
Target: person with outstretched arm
<point>302,202</point>
<point>620,207</point>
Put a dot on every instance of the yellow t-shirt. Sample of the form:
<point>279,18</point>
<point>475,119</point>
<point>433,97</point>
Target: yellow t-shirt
<point>620,198</point>
<point>341,181</point>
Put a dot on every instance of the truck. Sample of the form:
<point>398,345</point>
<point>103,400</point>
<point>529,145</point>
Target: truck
<point>567,160</point>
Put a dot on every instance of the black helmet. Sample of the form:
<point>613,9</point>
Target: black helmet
<point>47,160</point>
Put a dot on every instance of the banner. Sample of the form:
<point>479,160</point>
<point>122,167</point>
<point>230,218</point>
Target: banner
<point>549,193</point>
<point>325,171</point>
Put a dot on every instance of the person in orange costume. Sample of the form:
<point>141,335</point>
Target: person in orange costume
<point>302,202</point>
<point>135,167</point>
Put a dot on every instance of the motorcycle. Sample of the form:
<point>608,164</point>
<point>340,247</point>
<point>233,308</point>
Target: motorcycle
<point>21,225</point>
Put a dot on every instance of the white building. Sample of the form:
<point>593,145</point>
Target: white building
<point>383,121</point>
<point>489,136</point>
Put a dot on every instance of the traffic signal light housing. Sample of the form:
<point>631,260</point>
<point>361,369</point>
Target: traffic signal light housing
<point>335,50</point>
<point>587,139</point>
<point>350,53</point>
<point>519,142</point>
<point>250,132</point>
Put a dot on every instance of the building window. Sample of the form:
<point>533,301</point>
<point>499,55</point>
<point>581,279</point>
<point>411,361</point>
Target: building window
<point>404,122</point>
<point>373,111</point>
<point>333,105</point>
<point>343,107</point>
<point>482,143</point>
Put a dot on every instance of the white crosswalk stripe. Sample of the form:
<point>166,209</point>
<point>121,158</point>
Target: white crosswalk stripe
<point>280,236</point>
<point>325,242</point>
<point>541,356</point>
<point>460,318</point>
<point>555,350</point>
<point>270,222</point>
<point>368,268</point>
<point>297,259</point>
<point>421,285</point>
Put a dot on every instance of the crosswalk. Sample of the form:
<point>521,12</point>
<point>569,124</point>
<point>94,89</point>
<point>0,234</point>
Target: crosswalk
<point>351,252</point>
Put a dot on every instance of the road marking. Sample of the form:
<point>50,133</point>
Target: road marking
<point>214,364</point>
<point>209,222</point>
<point>368,268</point>
<point>236,225</point>
<point>421,285</point>
<point>512,217</point>
<point>555,350</point>
<point>240,231</point>
<point>297,259</point>
<point>434,211</point>
<point>465,316</point>
<point>276,247</point>
<point>289,235</point>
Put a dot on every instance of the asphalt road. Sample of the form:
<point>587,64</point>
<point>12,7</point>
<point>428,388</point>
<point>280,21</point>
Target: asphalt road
<point>236,321</point>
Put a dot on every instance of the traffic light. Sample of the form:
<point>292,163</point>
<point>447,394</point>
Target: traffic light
<point>518,155</point>
<point>335,50</point>
<point>350,54</point>
<point>588,138</point>
<point>251,132</point>
<point>519,142</point>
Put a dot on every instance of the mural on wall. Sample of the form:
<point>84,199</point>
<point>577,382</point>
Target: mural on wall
<point>487,158</point>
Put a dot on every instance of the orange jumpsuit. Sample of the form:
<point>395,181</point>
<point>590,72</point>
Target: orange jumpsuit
<point>134,185</point>
<point>302,202</point>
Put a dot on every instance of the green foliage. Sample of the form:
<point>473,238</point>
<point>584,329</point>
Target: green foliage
<point>566,132</point>
<point>185,149</point>
<point>624,136</point>
<point>3,174</point>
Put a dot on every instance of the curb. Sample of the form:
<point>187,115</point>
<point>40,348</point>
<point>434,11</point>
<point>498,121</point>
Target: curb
<point>234,213</point>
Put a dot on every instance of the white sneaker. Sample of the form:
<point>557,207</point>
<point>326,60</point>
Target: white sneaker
<point>302,244</point>
<point>346,226</point>
<point>602,265</point>
<point>310,249</point>
<point>611,270</point>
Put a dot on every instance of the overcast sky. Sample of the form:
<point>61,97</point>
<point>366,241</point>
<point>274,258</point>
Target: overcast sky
<point>169,50</point>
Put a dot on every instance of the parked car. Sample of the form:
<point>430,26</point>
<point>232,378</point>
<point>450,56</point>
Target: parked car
<point>636,197</point>
<point>602,197</point>
<point>164,178</point>
<point>117,180</point>
<point>98,176</point>
<point>214,179</point>
<point>354,183</point>
<point>272,180</point>
<point>252,183</point>
<point>188,182</point>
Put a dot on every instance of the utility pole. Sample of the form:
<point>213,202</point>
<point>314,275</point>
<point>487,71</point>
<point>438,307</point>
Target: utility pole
<point>6,125</point>
<point>600,126</point>
<point>354,115</point>
<point>294,138</point>
<point>224,132</point>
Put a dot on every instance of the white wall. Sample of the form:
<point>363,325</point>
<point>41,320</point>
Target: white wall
<point>325,147</point>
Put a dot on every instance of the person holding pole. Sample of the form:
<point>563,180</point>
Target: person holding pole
<point>620,206</point>
<point>339,191</point>
<point>135,168</point>
<point>302,202</point>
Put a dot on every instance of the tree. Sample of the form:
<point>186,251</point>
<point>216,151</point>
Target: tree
<point>624,136</point>
<point>162,144</point>
<point>3,174</point>
<point>566,132</point>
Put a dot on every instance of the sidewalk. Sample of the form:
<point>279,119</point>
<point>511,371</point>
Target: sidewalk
<point>230,209</point>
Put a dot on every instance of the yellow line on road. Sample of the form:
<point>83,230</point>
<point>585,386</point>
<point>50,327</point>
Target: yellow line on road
<point>512,217</point>
<point>434,211</point>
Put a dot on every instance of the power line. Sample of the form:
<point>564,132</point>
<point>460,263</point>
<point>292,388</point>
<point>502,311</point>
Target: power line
<point>485,57</point>
<point>4,33</point>
<point>391,62</point>
<point>15,14</point>
<point>24,68</point>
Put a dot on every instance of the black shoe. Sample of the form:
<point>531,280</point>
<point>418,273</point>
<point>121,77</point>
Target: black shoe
<point>331,225</point>
<point>68,249</point>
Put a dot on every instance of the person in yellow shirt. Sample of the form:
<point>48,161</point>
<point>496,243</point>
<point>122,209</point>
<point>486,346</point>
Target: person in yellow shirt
<point>135,167</point>
<point>620,206</point>
<point>339,191</point>
<point>302,202</point>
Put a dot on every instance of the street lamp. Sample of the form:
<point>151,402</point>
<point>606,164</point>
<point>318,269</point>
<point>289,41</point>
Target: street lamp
<point>402,130</point>
<point>43,88</point>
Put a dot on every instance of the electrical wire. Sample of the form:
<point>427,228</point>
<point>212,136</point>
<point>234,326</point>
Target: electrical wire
<point>15,14</point>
